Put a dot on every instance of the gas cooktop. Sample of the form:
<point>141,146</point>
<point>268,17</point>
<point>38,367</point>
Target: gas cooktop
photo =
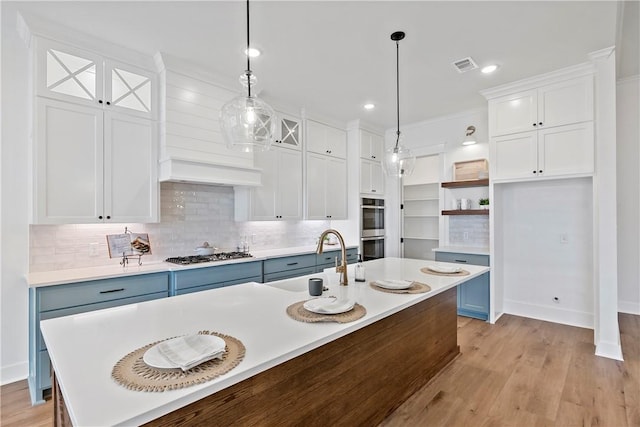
<point>196,259</point>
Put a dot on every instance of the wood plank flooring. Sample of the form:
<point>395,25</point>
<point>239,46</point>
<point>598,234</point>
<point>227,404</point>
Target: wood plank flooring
<point>518,372</point>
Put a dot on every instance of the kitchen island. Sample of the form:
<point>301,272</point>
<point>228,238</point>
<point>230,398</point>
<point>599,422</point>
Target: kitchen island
<point>292,372</point>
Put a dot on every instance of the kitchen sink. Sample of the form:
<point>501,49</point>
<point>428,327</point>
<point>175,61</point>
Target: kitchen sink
<point>296,284</point>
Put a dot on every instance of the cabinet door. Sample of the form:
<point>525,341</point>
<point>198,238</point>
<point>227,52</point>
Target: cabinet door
<point>289,132</point>
<point>514,156</point>
<point>513,113</point>
<point>289,188</point>
<point>263,198</point>
<point>316,184</point>
<point>365,176</point>
<point>473,298</point>
<point>377,178</point>
<point>316,142</point>
<point>371,146</point>
<point>336,188</point>
<point>130,90</point>
<point>68,163</point>
<point>566,150</point>
<point>130,171</point>
<point>371,177</point>
<point>67,73</point>
<point>566,102</point>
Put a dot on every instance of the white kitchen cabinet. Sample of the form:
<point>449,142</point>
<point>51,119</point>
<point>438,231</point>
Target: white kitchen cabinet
<point>326,187</point>
<point>288,132</point>
<point>280,196</point>
<point>70,74</point>
<point>558,104</point>
<point>371,177</point>
<point>323,139</point>
<point>552,152</point>
<point>93,166</point>
<point>371,146</point>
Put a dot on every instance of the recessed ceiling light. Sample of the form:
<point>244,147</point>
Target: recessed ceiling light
<point>252,52</point>
<point>369,106</point>
<point>489,69</point>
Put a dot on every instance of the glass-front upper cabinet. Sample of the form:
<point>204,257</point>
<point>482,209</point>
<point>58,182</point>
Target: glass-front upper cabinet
<point>80,76</point>
<point>289,132</point>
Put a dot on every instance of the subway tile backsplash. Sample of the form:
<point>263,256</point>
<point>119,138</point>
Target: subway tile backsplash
<point>190,214</point>
<point>469,230</point>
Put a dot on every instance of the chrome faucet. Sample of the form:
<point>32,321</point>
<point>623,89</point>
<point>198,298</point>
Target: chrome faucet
<point>342,268</point>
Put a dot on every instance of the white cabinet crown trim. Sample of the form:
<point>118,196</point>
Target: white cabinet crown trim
<point>568,73</point>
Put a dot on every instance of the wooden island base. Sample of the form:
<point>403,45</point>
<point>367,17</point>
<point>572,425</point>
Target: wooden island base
<point>358,379</point>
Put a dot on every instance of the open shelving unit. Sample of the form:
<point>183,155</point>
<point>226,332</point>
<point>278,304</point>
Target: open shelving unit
<point>466,184</point>
<point>421,220</point>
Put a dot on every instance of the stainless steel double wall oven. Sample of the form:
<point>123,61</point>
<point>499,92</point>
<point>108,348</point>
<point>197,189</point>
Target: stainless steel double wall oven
<point>372,228</point>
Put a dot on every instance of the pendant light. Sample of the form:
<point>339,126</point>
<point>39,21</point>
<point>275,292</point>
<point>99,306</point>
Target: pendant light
<point>248,123</point>
<point>398,160</point>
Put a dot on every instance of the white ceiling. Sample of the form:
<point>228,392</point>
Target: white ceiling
<point>331,57</point>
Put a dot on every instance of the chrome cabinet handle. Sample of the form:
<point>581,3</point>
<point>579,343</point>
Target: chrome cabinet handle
<point>112,290</point>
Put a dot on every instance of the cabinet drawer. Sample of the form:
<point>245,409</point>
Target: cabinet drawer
<point>218,274</point>
<point>280,275</point>
<point>463,258</point>
<point>289,263</point>
<point>82,293</point>
<point>327,259</point>
<point>52,314</point>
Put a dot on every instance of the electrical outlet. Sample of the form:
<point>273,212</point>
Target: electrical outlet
<point>253,239</point>
<point>465,236</point>
<point>93,249</point>
<point>564,238</point>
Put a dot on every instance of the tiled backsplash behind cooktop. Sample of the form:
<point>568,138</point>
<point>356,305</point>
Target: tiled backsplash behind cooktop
<point>190,215</point>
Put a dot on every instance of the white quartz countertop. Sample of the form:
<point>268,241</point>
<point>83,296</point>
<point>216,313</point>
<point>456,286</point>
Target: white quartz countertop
<point>58,277</point>
<point>84,348</point>
<point>463,250</point>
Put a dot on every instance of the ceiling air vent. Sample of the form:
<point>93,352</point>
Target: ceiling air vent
<point>465,64</point>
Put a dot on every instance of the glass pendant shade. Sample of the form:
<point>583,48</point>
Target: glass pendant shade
<point>248,123</point>
<point>398,161</point>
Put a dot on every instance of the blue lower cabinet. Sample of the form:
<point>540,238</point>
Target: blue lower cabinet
<point>289,266</point>
<point>328,258</point>
<point>49,302</point>
<point>473,295</point>
<point>205,278</point>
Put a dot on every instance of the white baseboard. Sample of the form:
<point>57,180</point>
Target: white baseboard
<point>550,314</point>
<point>610,350</point>
<point>12,373</point>
<point>629,307</point>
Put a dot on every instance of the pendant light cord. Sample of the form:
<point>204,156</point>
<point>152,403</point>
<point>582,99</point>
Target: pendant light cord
<point>248,56</point>
<point>397,93</point>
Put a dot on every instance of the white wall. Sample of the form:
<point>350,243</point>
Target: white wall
<point>628,176</point>
<point>14,228</point>
<point>536,265</point>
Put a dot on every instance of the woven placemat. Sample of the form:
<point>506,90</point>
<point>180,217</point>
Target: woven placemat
<point>131,371</point>
<point>435,273</point>
<point>298,312</point>
<point>415,288</point>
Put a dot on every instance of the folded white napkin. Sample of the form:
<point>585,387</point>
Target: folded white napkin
<point>191,350</point>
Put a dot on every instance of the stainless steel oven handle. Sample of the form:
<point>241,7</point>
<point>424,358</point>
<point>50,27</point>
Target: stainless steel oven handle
<point>371,207</point>
<point>366,239</point>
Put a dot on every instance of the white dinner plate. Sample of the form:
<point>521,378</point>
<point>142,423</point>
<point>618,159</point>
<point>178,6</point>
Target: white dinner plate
<point>329,305</point>
<point>394,284</point>
<point>444,269</point>
<point>155,359</point>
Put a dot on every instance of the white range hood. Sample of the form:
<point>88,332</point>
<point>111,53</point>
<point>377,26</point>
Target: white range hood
<point>201,172</point>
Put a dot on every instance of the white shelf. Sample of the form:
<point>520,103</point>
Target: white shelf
<point>422,200</point>
<point>420,238</point>
<point>424,184</point>
<point>422,216</point>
